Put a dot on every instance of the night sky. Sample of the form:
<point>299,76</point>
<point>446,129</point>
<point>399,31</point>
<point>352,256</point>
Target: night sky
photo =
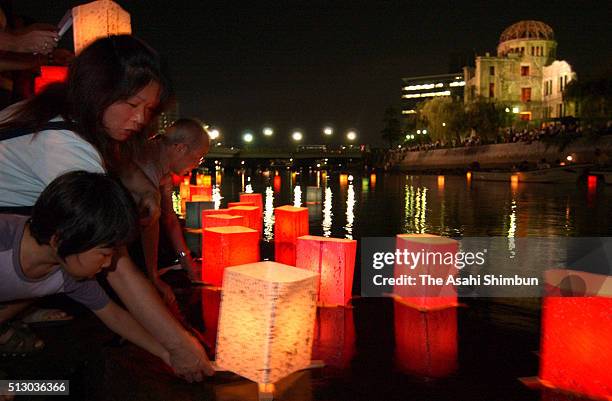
<point>243,65</point>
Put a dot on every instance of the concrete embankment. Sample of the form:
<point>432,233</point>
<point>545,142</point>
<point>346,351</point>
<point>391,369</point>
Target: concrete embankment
<point>503,155</point>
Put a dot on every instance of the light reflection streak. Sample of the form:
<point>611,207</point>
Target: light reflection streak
<point>297,196</point>
<point>326,223</point>
<point>269,215</point>
<point>249,189</point>
<point>350,215</point>
<point>415,209</point>
<point>512,229</point>
<point>216,196</point>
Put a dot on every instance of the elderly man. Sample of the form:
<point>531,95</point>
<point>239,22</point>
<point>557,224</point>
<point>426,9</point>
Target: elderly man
<point>178,151</point>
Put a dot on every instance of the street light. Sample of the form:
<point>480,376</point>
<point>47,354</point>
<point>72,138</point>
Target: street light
<point>328,131</point>
<point>297,136</point>
<point>248,137</point>
<point>213,133</point>
<point>268,131</point>
<point>424,132</point>
<point>351,135</point>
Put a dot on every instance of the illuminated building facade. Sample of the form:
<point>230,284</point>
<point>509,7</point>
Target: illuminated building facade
<point>525,73</point>
<point>416,90</point>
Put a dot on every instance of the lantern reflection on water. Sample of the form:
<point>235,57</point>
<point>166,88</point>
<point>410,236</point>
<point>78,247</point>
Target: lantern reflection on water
<point>334,338</point>
<point>334,260</point>
<point>224,247</point>
<point>576,344</point>
<point>430,247</point>
<point>425,341</point>
<point>268,309</point>
<point>290,222</point>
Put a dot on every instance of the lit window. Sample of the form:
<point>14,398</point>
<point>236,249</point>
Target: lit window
<point>525,95</point>
<point>491,70</point>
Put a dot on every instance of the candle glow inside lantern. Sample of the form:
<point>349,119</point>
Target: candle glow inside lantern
<point>425,342</point>
<point>98,19</point>
<point>576,342</point>
<point>202,192</point>
<point>290,223</point>
<point>48,75</point>
<point>222,220</point>
<point>224,247</point>
<point>252,216</point>
<point>256,199</point>
<point>437,261</point>
<point>334,260</point>
<point>266,322</point>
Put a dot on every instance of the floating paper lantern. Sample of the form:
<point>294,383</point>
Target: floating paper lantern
<point>222,220</point>
<point>576,344</point>
<point>266,322</point>
<point>372,180</point>
<point>334,260</point>
<point>256,199</point>
<point>193,211</point>
<point>204,192</point>
<point>277,183</point>
<point>98,19</point>
<point>224,247</point>
<point>425,341</point>
<point>440,182</point>
<point>290,222</point>
<point>334,337</point>
<point>428,295</point>
<point>48,75</point>
<point>236,204</point>
<point>252,216</point>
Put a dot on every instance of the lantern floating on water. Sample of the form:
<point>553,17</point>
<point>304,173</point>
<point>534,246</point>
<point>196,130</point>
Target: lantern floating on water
<point>203,192</point>
<point>224,247</point>
<point>256,199</point>
<point>252,216</point>
<point>222,220</point>
<point>428,295</point>
<point>48,75</point>
<point>425,341</point>
<point>334,260</point>
<point>96,20</point>
<point>267,309</point>
<point>576,343</point>
<point>290,222</point>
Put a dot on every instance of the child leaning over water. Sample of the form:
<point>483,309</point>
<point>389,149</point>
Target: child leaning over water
<point>76,224</point>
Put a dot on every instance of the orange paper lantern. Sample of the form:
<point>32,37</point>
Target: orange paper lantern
<point>222,220</point>
<point>204,193</point>
<point>48,75</point>
<point>428,295</point>
<point>252,216</point>
<point>224,247</point>
<point>290,222</point>
<point>576,343</point>
<point>425,341</point>
<point>266,323</point>
<point>256,199</point>
<point>98,19</point>
<point>236,204</point>
<point>334,337</point>
<point>334,260</point>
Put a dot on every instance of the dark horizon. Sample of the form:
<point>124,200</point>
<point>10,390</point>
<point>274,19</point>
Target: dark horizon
<point>313,64</point>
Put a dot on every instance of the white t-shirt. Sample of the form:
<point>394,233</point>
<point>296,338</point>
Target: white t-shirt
<point>29,163</point>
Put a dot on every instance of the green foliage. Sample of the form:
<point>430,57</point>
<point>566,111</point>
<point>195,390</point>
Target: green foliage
<point>593,97</point>
<point>444,118</point>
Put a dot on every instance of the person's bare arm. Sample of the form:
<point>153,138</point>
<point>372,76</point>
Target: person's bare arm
<point>121,322</point>
<point>34,41</point>
<point>187,357</point>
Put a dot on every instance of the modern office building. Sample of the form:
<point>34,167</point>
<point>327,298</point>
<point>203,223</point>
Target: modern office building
<point>416,90</point>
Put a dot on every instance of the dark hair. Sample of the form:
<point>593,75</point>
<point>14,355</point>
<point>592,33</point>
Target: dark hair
<point>111,69</point>
<point>84,210</point>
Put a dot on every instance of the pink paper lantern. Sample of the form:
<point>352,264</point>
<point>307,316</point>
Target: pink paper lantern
<point>425,341</point>
<point>334,260</point>
<point>576,343</point>
<point>256,199</point>
<point>290,223</point>
<point>252,216</point>
<point>222,220</point>
<point>334,337</point>
<point>428,295</point>
<point>224,247</point>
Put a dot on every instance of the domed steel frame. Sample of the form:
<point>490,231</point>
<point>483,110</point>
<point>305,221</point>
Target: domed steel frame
<point>527,30</point>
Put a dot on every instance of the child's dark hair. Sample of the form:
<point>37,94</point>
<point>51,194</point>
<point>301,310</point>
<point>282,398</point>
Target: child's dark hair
<point>84,210</point>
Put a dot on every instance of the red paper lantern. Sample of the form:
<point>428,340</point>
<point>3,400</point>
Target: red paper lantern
<point>203,193</point>
<point>277,183</point>
<point>222,220</point>
<point>428,295</point>
<point>425,341</point>
<point>252,216</point>
<point>236,204</point>
<point>334,260</point>
<point>48,75</point>
<point>334,338</point>
<point>576,343</point>
<point>227,246</point>
<point>256,199</point>
<point>290,222</point>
